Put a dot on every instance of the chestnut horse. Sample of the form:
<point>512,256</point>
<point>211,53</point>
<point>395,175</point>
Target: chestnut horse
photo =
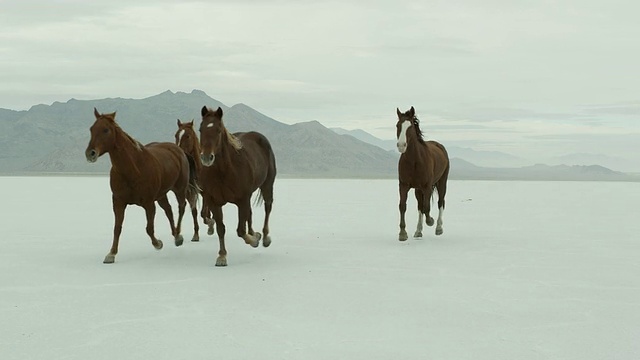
<point>235,165</point>
<point>141,175</point>
<point>187,139</point>
<point>423,166</point>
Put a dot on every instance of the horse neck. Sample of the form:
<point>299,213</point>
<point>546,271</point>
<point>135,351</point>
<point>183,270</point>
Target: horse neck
<point>126,154</point>
<point>416,150</point>
<point>226,151</point>
<point>195,154</point>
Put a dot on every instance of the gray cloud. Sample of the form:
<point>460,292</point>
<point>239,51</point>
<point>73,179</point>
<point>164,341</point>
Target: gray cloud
<point>468,67</point>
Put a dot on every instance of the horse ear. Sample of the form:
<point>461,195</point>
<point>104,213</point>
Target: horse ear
<point>179,122</point>
<point>412,112</point>
<point>191,122</point>
<point>96,113</point>
<point>398,112</point>
<point>204,111</point>
<point>219,112</point>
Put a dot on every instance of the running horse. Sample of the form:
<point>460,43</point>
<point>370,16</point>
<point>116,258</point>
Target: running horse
<point>235,165</point>
<point>141,175</point>
<point>423,166</point>
<point>187,139</point>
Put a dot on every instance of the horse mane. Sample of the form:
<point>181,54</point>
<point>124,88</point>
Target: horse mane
<point>416,125</point>
<point>137,144</point>
<point>232,139</point>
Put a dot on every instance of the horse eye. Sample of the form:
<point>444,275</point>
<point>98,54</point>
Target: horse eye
<point>105,130</point>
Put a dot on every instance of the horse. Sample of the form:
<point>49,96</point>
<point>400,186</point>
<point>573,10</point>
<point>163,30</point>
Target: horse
<point>235,165</point>
<point>141,175</point>
<point>423,166</point>
<point>187,139</point>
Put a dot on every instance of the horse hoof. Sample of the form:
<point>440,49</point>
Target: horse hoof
<point>179,240</point>
<point>221,261</point>
<point>210,231</point>
<point>430,221</point>
<point>256,240</point>
<point>439,231</point>
<point>403,236</point>
<point>159,245</point>
<point>109,259</point>
<point>418,234</point>
<point>195,239</point>
<point>267,241</point>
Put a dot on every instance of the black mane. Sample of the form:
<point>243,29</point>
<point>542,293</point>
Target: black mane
<point>416,125</point>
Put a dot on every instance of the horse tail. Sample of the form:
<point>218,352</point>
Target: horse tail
<point>193,189</point>
<point>259,199</point>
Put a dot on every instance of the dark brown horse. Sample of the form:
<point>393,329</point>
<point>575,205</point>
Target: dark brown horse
<point>235,165</point>
<point>141,175</point>
<point>423,166</point>
<point>187,139</point>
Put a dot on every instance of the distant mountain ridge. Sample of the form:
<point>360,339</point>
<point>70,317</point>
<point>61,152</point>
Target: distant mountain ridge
<point>52,139</point>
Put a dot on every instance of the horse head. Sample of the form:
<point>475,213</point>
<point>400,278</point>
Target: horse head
<point>211,130</point>
<point>407,120</point>
<point>187,139</point>
<point>103,135</point>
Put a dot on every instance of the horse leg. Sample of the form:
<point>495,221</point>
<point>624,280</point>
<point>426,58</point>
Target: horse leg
<point>118,212</point>
<point>267,196</point>
<point>244,216</point>
<point>150,210</point>
<point>206,216</point>
<point>404,190</point>
<point>194,214</point>
<point>442,191</point>
<point>250,226</point>
<point>222,253</point>
<point>181,197</point>
<point>164,204</point>
<point>420,200</point>
<point>428,192</point>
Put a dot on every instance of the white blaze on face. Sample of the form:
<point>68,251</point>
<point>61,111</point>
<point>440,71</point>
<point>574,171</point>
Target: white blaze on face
<point>402,138</point>
<point>180,134</point>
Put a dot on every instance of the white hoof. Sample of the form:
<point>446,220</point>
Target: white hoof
<point>221,261</point>
<point>418,234</point>
<point>439,231</point>
<point>109,259</point>
<point>266,241</point>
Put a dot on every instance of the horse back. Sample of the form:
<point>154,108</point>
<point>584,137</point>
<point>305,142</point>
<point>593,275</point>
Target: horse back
<point>259,155</point>
<point>439,158</point>
<point>171,164</point>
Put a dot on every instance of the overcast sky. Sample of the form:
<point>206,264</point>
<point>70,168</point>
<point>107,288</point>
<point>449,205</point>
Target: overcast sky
<point>489,72</point>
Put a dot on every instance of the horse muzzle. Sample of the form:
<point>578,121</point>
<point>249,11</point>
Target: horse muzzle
<point>402,147</point>
<point>91,155</point>
<point>207,160</point>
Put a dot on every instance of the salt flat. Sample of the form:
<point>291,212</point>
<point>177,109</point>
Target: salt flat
<point>524,270</point>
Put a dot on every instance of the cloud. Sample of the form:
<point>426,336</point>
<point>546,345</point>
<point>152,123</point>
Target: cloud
<point>492,72</point>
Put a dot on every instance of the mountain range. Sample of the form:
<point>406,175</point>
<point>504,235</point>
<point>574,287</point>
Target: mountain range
<point>52,139</point>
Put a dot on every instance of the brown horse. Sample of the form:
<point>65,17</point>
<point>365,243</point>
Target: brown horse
<point>141,175</point>
<point>235,165</point>
<point>187,139</point>
<point>423,166</point>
